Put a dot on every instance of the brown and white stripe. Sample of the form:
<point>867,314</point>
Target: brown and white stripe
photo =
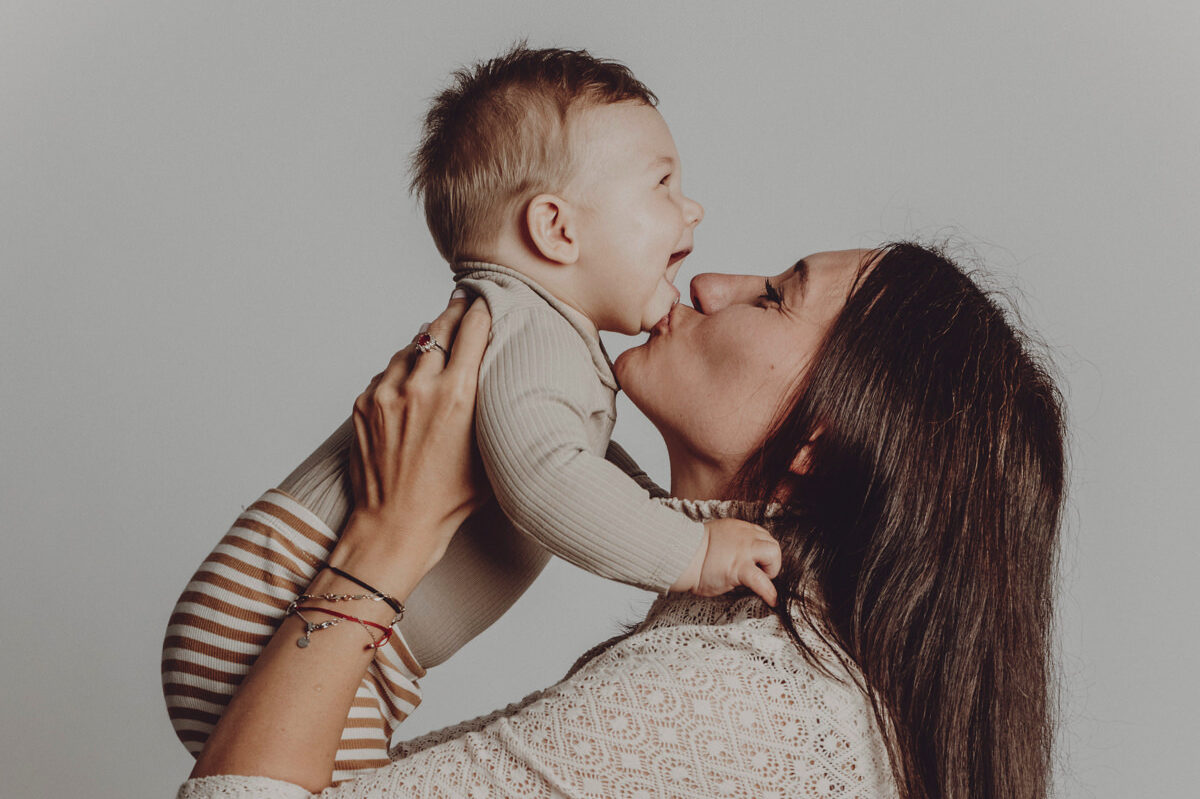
<point>231,608</point>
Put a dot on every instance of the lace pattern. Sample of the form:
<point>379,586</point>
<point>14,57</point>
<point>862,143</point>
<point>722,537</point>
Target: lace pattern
<point>706,698</point>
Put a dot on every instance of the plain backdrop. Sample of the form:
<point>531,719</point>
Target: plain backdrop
<point>207,249</point>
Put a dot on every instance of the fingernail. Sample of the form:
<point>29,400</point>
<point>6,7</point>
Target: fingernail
<point>423,328</point>
<point>459,294</point>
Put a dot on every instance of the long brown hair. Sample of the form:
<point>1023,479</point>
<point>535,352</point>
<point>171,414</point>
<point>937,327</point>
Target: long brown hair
<point>928,519</point>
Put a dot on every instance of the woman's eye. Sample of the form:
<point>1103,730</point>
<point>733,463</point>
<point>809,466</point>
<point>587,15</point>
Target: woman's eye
<point>666,179</point>
<point>770,293</point>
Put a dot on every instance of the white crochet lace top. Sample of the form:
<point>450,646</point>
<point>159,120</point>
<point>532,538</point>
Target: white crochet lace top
<point>706,698</point>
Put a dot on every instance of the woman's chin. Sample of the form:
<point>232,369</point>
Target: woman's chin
<point>619,364</point>
<point>626,366</point>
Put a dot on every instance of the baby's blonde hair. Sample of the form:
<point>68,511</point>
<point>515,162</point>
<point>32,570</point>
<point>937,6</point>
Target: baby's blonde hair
<point>499,136</point>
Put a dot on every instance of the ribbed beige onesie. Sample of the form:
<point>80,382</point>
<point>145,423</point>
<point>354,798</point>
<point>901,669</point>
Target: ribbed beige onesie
<point>544,414</point>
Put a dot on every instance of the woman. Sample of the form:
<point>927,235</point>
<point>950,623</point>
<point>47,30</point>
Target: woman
<point>876,410</point>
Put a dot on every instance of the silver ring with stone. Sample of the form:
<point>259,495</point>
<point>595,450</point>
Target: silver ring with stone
<point>427,343</point>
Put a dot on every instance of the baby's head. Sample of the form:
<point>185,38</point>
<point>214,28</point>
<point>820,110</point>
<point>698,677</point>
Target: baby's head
<point>557,164</point>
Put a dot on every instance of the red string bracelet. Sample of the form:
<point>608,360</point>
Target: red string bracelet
<point>383,639</point>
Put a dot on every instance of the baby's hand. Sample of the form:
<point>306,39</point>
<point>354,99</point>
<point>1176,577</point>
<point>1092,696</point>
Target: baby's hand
<point>734,553</point>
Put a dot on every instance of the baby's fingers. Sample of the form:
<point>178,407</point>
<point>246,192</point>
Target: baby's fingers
<point>757,581</point>
<point>768,556</point>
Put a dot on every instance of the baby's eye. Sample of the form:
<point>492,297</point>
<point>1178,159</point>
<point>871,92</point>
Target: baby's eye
<point>770,293</point>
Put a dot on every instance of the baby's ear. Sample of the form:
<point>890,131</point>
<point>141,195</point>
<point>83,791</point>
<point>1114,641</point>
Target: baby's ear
<point>550,225</point>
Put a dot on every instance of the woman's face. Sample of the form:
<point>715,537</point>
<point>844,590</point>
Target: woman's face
<point>714,377</point>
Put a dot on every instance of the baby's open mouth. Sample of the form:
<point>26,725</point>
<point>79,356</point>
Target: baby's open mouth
<point>678,256</point>
<point>664,324</point>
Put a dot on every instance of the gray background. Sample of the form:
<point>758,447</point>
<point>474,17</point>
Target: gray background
<point>208,249</point>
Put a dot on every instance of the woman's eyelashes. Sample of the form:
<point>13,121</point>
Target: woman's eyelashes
<point>770,293</point>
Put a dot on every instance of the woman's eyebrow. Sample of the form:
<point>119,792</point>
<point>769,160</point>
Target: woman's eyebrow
<point>800,269</point>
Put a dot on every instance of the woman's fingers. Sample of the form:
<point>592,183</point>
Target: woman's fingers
<point>414,420</point>
<point>363,478</point>
<point>443,330</point>
<point>471,339</point>
<point>370,426</point>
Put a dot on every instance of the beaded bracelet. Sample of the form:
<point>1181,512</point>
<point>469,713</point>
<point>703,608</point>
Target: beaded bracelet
<point>310,627</point>
<point>351,598</point>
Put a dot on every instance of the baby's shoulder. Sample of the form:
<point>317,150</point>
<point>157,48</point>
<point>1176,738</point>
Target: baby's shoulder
<point>530,337</point>
<point>517,310</point>
<point>536,339</point>
<point>507,292</point>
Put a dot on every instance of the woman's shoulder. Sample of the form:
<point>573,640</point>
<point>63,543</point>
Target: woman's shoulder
<point>739,627</point>
<point>725,671</point>
<point>737,647</point>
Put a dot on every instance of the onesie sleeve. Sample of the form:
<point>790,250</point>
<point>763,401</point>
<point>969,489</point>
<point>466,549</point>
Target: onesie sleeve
<point>532,416</point>
<point>486,567</point>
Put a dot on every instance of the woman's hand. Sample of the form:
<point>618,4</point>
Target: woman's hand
<point>415,477</point>
<point>415,470</point>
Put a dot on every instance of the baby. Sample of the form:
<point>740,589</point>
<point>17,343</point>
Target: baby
<point>552,186</point>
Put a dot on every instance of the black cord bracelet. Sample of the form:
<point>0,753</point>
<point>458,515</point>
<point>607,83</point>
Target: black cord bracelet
<point>391,603</point>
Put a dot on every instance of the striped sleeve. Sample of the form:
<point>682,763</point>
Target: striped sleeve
<point>229,611</point>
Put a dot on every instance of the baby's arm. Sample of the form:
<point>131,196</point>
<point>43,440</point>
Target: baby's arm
<point>533,414</point>
<point>486,568</point>
<point>537,393</point>
<point>733,552</point>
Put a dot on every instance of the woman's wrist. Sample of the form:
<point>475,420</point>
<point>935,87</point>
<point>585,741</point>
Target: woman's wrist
<point>329,591</point>
<point>378,553</point>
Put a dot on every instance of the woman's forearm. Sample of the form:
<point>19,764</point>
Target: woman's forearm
<point>415,479</point>
<point>286,719</point>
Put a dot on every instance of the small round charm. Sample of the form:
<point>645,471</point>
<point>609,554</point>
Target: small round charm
<point>302,642</point>
<point>427,343</point>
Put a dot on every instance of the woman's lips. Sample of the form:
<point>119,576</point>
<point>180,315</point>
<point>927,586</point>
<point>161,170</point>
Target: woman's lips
<point>664,324</point>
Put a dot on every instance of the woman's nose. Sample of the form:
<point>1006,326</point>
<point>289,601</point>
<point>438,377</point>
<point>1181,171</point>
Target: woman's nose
<point>693,211</point>
<point>713,291</point>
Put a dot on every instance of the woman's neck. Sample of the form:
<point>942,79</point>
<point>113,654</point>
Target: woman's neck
<point>694,478</point>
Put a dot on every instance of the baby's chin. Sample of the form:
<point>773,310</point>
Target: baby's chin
<point>649,325</point>
<point>657,311</point>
